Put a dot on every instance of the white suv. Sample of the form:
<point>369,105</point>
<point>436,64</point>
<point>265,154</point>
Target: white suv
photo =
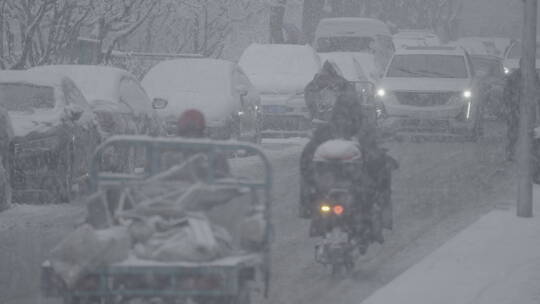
<point>431,89</point>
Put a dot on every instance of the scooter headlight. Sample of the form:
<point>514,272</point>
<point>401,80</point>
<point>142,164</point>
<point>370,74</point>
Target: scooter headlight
<point>325,208</point>
<point>381,93</point>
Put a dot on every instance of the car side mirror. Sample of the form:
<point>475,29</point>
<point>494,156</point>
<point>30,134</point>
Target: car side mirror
<point>159,103</point>
<point>74,112</point>
<point>242,90</point>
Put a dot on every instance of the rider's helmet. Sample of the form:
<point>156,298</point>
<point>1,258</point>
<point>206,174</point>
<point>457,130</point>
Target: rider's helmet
<point>191,124</point>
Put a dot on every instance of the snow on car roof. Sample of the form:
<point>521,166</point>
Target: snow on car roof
<point>441,50</point>
<point>352,26</point>
<point>351,65</point>
<point>96,82</point>
<point>199,83</point>
<point>487,56</point>
<point>280,67</point>
<point>189,74</point>
<point>415,34</point>
<point>40,121</point>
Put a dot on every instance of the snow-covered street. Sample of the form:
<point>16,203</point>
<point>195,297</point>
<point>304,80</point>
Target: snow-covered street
<point>439,189</point>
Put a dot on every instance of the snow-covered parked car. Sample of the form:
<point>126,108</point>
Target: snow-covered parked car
<point>6,135</point>
<point>368,40</point>
<point>280,72</point>
<point>218,88</point>
<point>431,89</point>
<point>55,133</point>
<point>116,96</point>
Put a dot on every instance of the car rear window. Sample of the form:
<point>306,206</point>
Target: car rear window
<point>25,97</point>
<point>428,66</point>
<point>344,44</point>
<point>515,51</point>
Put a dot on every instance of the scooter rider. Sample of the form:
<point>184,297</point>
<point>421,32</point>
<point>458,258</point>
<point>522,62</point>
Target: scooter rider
<point>346,123</point>
<point>323,91</point>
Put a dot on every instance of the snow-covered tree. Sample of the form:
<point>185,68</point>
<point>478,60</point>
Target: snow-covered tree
<point>196,26</point>
<point>36,32</point>
<point>115,20</point>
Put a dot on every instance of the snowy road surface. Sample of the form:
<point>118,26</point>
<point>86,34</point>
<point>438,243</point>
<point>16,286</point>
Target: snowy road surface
<point>439,189</point>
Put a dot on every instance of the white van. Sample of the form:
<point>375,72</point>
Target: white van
<point>361,36</point>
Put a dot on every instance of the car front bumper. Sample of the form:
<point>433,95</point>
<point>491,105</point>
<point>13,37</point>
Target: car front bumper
<point>448,118</point>
<point>282,113</point>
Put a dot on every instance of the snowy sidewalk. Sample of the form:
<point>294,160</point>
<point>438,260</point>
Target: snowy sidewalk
<point>495,260</point>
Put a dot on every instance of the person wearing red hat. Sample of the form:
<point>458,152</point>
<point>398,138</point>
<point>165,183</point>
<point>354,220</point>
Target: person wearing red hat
<point>192,124</point>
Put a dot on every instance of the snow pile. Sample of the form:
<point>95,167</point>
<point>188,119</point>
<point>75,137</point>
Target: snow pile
<point>280,68</point>
<point>360,27</point>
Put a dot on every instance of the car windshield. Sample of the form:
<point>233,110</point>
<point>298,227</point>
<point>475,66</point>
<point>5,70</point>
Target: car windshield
<point>515,51</point>
<point>344,44</point>
<point>26,97</point>
<point>428,66</point>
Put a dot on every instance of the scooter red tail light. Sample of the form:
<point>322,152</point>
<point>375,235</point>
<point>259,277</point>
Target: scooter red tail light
<point>338,209</point>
